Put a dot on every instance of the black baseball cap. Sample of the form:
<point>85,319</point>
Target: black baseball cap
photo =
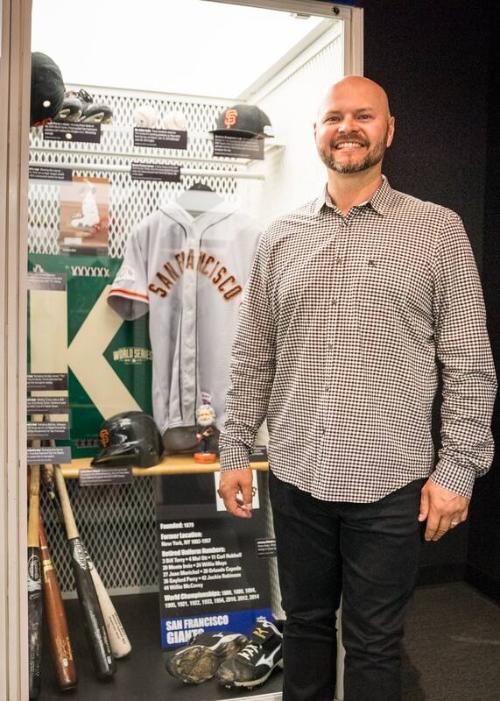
<point>243,120</point>
<point>47,88</point>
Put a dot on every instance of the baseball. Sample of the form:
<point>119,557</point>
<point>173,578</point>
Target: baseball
<point>145,116</point>
<point>176,121</point>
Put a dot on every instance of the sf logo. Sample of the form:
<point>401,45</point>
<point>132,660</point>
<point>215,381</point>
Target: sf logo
<point>104,437</point>
<point>230,118</point>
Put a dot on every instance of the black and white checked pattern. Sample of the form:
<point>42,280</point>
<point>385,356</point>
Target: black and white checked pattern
<point>346,325</point>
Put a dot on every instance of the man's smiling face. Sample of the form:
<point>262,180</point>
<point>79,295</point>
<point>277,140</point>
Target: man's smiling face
<point>354,126</point>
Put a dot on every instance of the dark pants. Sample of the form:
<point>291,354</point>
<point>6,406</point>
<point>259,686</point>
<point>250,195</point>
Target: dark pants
<point>368,553</point>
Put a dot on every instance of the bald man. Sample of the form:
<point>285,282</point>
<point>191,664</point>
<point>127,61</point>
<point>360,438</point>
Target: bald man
<point>359,304</point>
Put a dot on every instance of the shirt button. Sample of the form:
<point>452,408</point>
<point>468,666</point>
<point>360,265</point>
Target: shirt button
<point>327,388</point>
<point>334,302</point>
<point>330,346</point>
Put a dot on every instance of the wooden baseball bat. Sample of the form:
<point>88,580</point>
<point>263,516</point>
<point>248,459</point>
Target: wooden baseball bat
<point>57,624</point>
<point>118,639</point>
<point>35,601</point>
<point>120,644</point>
<point>97,636</point>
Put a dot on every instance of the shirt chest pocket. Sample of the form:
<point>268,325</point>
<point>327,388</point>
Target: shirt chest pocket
<point>383,281</point>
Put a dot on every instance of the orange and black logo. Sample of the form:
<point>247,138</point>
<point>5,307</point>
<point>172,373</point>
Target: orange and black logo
<point>104,437</point>
<point>230,118</point>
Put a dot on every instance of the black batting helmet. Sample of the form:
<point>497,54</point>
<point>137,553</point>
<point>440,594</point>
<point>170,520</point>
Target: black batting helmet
<point>130,438</point>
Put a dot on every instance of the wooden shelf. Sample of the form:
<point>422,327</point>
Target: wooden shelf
<point>171,465</point>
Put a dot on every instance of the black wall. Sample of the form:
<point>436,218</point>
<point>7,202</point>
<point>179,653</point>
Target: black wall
<point>483,561</point>
<point>439,63</point>
<point>432,59</point>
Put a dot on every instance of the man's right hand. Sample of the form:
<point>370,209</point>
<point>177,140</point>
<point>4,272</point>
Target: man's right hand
<point>235,489</point>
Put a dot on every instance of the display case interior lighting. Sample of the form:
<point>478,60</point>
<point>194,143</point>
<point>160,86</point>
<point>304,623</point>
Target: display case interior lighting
<point>159,47</point>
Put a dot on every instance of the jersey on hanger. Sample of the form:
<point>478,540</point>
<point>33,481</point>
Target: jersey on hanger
<point>190,274</point>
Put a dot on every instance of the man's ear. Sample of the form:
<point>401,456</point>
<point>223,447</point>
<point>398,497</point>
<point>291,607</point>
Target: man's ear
<point>390,130</point>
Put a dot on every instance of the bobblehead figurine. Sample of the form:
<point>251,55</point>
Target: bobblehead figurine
<point>205,419</point>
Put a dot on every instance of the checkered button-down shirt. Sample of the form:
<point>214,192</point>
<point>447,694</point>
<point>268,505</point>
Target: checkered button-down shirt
<point>347,324</point>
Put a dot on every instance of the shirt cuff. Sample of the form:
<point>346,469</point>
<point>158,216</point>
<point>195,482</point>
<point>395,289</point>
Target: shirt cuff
<point>454,477</point>
<point>234,458</point>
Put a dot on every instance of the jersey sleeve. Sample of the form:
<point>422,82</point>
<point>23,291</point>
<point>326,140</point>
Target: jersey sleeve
<point>128,295</point>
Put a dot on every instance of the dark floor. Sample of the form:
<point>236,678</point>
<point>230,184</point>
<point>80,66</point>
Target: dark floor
<point>452,653</point>
<point>452,646</point>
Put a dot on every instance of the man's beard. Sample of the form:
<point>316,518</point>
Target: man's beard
<point>369,161</point>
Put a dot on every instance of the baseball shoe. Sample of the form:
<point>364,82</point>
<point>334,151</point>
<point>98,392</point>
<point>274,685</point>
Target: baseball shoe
<point>71,109</point>
<point>253,665</point>
<point>93,113</point>
<point>198,661</point>
<point>80,107</point>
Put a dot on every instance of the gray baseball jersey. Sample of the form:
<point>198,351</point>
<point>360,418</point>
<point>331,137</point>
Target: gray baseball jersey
<point>189,273</point>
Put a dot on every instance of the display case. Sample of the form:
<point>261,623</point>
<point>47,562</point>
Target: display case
<point>120,172</point>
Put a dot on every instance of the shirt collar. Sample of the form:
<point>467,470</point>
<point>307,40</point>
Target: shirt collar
<point>380,201</point>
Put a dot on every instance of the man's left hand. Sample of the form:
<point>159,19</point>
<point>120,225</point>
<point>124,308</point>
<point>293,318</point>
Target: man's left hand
<point>442,509</point>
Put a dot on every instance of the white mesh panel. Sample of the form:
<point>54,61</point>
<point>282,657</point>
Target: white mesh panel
<point>117,525</point>
<point>130,200</point>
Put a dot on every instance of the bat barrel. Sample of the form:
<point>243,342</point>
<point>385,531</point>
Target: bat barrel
<point>35,601</point>
<point>97,636</point>
<point>118,639</point>
<point>95,628</point>
<point>57,625</point>
<point>34,621</point>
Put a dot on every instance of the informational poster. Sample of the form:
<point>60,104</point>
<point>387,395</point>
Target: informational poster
<point>74,132</point>
<point>47,381</point>
<point>98,476</point>
<point>73,330</point>
<point>50,174</point>
<point>47,430</point>
<point>84,222</point>
<point>160,138</point>
<point>48,455</point>
<point>162,172</point>
<point>235,146</point>
<point>212,575</point>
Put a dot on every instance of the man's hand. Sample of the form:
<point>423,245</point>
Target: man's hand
<point>442,509</point>
<point>235,489</point>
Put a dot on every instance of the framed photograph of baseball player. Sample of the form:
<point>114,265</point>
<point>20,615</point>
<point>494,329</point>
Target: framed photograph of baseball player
<point>84,216</point>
